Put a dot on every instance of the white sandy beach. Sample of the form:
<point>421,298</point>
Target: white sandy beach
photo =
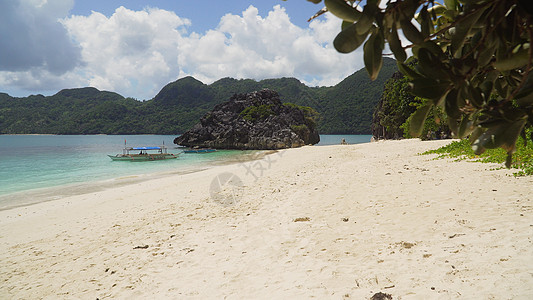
<point>329,222</point>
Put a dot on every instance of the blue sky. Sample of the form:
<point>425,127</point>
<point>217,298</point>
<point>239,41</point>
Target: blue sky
<point>136,47</point>
<point>203,17</point>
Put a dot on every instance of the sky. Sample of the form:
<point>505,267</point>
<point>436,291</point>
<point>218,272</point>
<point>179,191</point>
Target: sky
<point>136,47</point>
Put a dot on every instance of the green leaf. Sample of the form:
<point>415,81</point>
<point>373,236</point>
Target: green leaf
<point>527,88</point>
<point>501,87</point>
<point>500,134</point>
<point>410,32</point>
<point>417,120</point>
<point>450,105</point>
<point>525,101</point>
<point>475,134</point>
<point>475,96</point>
<point>513,61</point>
<point>511,134</point>
<point>450,4</point>
<point>487,139</point>
<point>429,88</point>
<point>454,126</point>
<point>462,29</point>
<point>509,160</point>
<point>406,8</point>
<point>433,48</point>
<point>407,71</point>
<point>396,45</point>
<point>314,1</point>
<point>465,127</point>
<point>345,25</point>
<point>367,18</point>
<point>431,66</point>
<point>426,25</point>
<point>348,40</point>
<point>343,10</point>
<point>486,54</point>
<point>373,54</point>
<point>486,89</point>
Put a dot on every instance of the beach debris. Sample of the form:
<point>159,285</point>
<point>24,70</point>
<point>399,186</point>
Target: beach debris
<point>141,247</point>
<point>455,235</point>
<point>302,219</point>
<point>408,245</point>
<point>345,219</point>
<point>381,296</point>
<point>188,250</point>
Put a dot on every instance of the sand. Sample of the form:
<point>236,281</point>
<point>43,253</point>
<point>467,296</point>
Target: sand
<point>329,222</point>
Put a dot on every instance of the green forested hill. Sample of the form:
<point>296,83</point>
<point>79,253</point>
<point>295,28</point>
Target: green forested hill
<point>344,108</point>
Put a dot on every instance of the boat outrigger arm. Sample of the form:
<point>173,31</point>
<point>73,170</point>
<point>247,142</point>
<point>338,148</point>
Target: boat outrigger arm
<point>143,155</point>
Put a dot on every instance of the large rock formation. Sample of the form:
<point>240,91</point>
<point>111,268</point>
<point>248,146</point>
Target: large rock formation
<point>257,120</point>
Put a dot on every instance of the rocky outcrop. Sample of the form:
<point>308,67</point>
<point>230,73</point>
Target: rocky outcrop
<point>257,120</point>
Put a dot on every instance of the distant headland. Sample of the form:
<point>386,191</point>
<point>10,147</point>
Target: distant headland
<point>345,108</point>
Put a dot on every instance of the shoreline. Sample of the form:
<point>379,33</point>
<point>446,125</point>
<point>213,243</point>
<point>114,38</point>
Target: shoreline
<point>327,222</point>
<point>57,192</point>
<point>16,186</point>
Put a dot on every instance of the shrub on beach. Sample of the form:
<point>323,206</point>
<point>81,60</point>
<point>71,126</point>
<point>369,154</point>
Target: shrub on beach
<point>522,158</point>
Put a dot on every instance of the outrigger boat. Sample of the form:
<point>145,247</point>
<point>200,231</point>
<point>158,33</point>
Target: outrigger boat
<point>143,155</point>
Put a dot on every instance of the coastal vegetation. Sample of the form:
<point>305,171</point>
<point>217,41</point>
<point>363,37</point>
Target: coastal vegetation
<point>397,107</point>
<point>257,112</point>
<point>474,61</point>
<point>344,108</point>
<point>461,150</point>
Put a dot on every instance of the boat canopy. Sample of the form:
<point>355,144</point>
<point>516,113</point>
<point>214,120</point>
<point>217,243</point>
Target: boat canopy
<point>146,148</point>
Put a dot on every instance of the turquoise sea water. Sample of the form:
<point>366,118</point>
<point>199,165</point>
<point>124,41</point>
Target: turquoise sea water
<point>36,168</point>
<point>350,139</point>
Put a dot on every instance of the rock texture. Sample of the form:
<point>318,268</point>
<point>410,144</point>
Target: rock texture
<point>257,120</point>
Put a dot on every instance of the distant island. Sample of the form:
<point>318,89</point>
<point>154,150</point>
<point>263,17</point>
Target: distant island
<point>345,108</point>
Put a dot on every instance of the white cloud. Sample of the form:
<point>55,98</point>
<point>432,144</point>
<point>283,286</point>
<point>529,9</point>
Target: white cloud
<point>136,53</point>
<point>32,38</point>
<point>131,52</point>
<point>249,46</point>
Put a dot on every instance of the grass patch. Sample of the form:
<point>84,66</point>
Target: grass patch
<point>462,150</point>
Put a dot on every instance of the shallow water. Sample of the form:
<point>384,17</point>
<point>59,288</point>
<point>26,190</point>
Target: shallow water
<point>36,168</point>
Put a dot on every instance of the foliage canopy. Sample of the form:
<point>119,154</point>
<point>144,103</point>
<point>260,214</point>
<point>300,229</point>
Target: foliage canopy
<point>474,56</point>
